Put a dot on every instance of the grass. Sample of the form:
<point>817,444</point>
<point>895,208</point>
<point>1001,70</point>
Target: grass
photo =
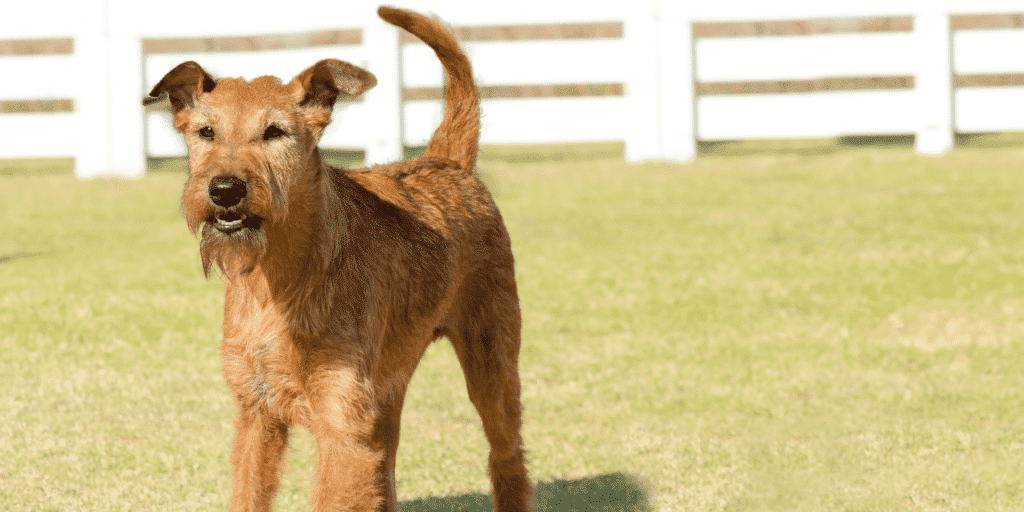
<point>788,327</point>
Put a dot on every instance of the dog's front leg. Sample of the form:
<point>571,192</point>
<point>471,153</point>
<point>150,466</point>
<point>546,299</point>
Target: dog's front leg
<point>256,454</point>
<point>342,415</point>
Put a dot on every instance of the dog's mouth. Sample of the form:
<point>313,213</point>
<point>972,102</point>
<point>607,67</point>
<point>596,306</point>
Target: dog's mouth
<point>229,221</point>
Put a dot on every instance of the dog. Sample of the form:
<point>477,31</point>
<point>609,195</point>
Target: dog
<point>337,280</point>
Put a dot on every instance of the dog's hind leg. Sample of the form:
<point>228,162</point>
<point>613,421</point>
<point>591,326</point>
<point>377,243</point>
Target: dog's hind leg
<point>486,339</point>
<point>385,436</point>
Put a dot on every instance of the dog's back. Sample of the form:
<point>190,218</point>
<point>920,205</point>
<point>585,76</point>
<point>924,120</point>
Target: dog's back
<point>440,187</point>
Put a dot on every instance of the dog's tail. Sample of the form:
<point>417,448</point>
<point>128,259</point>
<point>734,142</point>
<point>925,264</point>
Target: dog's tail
<point>458,135</point>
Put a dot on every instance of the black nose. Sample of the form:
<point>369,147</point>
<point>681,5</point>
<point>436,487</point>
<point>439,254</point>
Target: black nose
<point>227,191</point>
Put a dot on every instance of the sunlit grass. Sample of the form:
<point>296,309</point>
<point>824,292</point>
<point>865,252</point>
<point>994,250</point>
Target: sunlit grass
<point>810,328</point>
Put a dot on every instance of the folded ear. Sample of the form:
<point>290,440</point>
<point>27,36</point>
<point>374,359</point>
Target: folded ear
<point>183,85</point>
<point>322,83</point>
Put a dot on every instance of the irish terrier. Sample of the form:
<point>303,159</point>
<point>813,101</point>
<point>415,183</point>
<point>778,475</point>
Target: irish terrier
<point>337,280</point>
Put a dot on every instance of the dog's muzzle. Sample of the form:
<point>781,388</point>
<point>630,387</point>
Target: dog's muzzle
<point>228,193</point>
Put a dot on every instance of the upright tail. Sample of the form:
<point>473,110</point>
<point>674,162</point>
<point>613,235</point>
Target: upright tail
<point>458,136</point>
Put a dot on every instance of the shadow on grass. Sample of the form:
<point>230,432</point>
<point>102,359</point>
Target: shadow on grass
<point>18,255</point>
<point>614,492</point>
<point>526,153</point>
<point>830,146</point>
<point>21,166</point>
<point>802,147</point>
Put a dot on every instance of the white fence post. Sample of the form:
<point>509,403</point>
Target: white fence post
<point>385,100</point>
<point>678,105</point>
<point>92,146</point>
<point>127,116</point>
<point>934,83</point>
<point>108,108</point>
<point>659,87</point>
<point>641,94</point>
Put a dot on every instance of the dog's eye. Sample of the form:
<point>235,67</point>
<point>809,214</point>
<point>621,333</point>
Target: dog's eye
<point>206,132</point>
<point>273,132</point>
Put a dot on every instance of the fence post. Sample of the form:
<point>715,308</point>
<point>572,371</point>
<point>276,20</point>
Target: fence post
<point>678,107</point>
<point>385,100</point>
<point>934,83</point>
<point>92,146</point>
<point>127,116</point>
<point>638,32</point>
<point>659,90</point>
<point>108,107</point>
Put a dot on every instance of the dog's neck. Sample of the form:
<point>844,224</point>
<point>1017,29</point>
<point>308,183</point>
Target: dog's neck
<point>308,244</point>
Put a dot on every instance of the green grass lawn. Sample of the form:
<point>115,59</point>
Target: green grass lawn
<point>795,327</point>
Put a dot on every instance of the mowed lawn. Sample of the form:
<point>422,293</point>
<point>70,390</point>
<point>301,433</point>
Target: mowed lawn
<point>792,327</point>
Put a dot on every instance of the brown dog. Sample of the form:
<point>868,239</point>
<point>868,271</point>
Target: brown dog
<point>337,280</point>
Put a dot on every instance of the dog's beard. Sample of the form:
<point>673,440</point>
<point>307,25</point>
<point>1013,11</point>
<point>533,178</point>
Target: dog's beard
<point>236,253</point>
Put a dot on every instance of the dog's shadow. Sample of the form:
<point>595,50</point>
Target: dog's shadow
<point>614,492</point>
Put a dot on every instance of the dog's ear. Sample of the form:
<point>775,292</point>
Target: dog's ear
<point>322,83</point>
<point>183,85</point>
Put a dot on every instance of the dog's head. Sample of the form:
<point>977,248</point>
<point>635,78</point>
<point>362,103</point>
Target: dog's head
<point>251,147</point>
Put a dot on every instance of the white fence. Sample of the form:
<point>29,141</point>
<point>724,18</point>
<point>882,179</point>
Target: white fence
<point>656,74</point>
